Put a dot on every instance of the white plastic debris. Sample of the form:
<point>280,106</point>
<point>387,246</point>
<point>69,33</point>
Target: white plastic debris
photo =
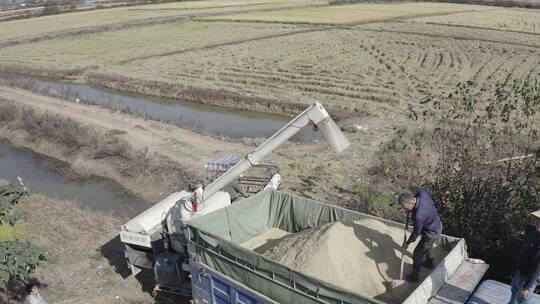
<point>362,128</point>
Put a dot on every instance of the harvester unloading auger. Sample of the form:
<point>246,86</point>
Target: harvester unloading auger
<point>156,238</point>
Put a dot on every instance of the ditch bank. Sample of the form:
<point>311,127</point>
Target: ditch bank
<point>52,178</point>
<point>147,158</point>
<point>199,117</point>
<point>221,101</point>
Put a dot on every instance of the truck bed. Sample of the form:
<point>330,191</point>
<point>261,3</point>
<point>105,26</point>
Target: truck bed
<point>217,238</point>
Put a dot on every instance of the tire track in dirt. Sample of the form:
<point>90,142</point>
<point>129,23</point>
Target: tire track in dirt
<point>494,71</point>
<point>480,70</point>
<point>509,75</point>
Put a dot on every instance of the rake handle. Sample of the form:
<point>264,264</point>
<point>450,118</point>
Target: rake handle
<point>403,249</point>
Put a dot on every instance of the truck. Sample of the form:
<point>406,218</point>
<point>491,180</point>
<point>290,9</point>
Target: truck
<point>192,240</point>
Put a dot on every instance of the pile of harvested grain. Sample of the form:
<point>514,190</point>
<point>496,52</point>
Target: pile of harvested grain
<point>363,256</point>
<point>266,240</point>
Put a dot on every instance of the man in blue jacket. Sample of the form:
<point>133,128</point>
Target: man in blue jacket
<point>426,223</point>
<point>527,275</point>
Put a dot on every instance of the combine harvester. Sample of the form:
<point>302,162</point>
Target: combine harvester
<point>192,240</point>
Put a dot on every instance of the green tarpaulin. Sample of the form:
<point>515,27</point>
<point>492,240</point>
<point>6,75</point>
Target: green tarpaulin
<point>219,234</point>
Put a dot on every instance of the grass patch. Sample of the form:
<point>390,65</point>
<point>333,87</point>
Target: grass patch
<point>116,132</point>
<point>15,232</point>
<point>378,199</point>
<point>301,167</point>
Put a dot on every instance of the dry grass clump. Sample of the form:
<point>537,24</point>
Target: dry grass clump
<point>7,112</point>
<point>64,130</point>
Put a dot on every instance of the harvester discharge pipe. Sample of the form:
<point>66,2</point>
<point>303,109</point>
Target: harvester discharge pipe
<point>315,114</point>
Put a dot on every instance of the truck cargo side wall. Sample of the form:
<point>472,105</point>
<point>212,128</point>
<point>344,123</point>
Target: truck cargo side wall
<point>219,234</point>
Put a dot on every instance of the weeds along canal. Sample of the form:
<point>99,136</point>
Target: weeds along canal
<point>208,119</point>
<point>46,176</point>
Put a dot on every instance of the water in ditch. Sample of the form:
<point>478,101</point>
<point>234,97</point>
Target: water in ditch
<point>41,175</point>
<point>214,120</point>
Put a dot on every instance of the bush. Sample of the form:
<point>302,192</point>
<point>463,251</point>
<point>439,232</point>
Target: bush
<point>8,112</point>
<point>18,258</point>
<point>9,196</point>
<point>480,153</point>
<point>64,130</point>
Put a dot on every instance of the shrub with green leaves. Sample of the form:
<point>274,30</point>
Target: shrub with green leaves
<point>18,258</point>
<point>9,196</point>
<point>480,152</point>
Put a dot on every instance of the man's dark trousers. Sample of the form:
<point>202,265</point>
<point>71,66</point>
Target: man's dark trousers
<point>422,251</point>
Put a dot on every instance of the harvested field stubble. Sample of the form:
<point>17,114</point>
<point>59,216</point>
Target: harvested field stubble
<point>503,3</point>
<point>510,39</point>
<point>128,44</point>
<point>91,21</point>
<point>521,20</point>
<point>347,14</point>
<point>365,71</point>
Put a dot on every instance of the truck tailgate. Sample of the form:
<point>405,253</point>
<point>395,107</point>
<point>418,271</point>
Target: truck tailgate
<point>461,284</point>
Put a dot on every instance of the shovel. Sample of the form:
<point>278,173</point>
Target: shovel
<point>403,249</point>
